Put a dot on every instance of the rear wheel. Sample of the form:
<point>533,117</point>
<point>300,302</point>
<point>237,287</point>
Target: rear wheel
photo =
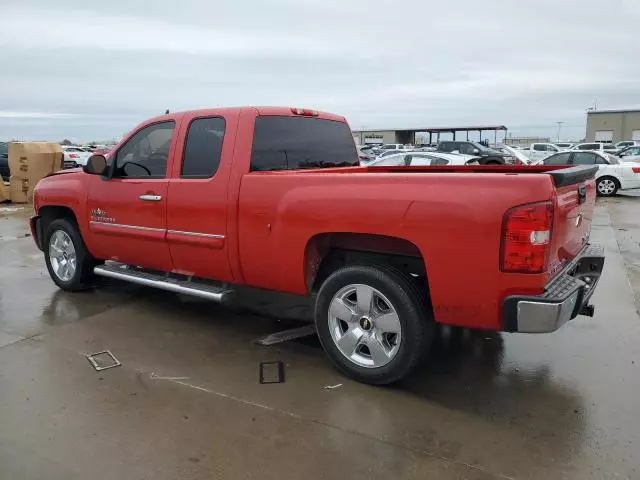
<point>69,263</point>
<point>607,186</point>
<point>373,323</point>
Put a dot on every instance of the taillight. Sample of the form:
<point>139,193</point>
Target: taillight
<point>635,169</point>
<point>304,112</point>
<point>526,238</point>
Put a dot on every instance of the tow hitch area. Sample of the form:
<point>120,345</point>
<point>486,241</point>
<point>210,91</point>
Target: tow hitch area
<point>588,310</point>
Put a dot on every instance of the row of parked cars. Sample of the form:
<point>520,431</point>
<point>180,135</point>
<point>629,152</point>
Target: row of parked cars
<point>444,153</point>
<point>618,165</point>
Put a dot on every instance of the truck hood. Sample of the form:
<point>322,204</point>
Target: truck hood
<point>66,171</point>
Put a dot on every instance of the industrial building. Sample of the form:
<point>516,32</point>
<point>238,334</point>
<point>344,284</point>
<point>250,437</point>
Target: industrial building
<point>613,125</point>
<point>427,134</point>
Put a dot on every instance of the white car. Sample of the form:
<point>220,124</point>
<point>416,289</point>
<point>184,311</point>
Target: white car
<point>627,143</point>
<point>423,159</point>
<point>519,154</point>
<point>538,151</point>
<point>75,156</point>
<point>630,154</point>
<point>392,146</point>
<point>612,175</point>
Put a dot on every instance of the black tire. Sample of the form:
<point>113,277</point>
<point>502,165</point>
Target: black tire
<point>409,302</point>
<point>600,183</point>
<point>83,275</point>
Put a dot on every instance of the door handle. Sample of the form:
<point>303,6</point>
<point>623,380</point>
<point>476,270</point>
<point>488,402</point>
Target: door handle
<point>149,197</point>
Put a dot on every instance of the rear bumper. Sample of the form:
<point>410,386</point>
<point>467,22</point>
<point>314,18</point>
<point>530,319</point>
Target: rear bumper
<point>35,223</point>
<point>564,298</point>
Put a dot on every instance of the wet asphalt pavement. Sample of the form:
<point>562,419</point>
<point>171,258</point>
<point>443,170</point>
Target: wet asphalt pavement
<point>186,402</point>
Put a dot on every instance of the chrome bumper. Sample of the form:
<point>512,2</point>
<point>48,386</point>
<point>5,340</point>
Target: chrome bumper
<point>564,298</point>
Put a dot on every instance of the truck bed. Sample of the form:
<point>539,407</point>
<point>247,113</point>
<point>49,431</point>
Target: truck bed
<point>561,175</point>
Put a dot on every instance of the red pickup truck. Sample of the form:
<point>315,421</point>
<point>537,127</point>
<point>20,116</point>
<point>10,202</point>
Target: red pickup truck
<point>201,201</point>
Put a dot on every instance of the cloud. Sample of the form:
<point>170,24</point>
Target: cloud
<point>108,65</point>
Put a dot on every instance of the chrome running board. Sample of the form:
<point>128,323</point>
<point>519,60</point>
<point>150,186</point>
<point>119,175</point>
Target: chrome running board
<point>120,271</point>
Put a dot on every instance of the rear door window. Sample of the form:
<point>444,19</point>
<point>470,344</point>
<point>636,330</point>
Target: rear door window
<point>290,143</point>
<point>203,147</point>
<point>558,159</point>
<point>584,158</point>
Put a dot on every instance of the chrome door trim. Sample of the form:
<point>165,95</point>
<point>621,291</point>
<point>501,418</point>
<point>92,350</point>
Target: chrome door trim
<point>121,225</point>
<point>195,234</point>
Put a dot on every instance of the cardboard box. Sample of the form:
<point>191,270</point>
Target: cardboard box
<point>5,194</point>
<point>19,189</point>
<point>34,160</point>
<point>29,162</point>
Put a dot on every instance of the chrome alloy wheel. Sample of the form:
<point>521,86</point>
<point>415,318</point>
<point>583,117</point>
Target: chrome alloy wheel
<point>606,186</point>
<point>364,325</point>
<point>62,255</point>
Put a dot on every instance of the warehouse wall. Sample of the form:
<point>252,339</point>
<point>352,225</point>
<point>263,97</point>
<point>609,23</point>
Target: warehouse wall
<point>623,125</point>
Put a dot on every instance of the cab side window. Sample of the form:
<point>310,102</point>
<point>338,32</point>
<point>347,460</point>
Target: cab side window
<point>145,155</point>
<point>466,148</point>
<point>203,148</point>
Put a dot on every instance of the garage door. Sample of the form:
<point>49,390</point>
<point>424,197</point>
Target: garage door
<point>635,135</point>
<point>604,136</point>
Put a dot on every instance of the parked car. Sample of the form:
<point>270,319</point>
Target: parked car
<point>612,174</point>
<point>521,157</point>
<point>564,145</point>
<point>4,161</point>
<point>392,146</point>
<point>364,155</point>
<point>487,156</point>
<point>422,159</point>
<point>630,154</point>
<point>386,153</point>
<point>588,146</point>
<point>538,151</point>
<point>269,198</point>
<point>73,156</point>
<point>627,143</point>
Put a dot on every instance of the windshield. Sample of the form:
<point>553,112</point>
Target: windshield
<point>481,147</point>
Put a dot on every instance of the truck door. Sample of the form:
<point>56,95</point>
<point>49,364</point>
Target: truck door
<point>198,197</point>
<point>127,212</point>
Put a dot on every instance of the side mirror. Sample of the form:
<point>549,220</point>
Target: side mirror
<point>96,165</point>
<point>476,151</point>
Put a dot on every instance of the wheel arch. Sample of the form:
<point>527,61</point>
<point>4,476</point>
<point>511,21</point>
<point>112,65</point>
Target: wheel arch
<point>48,213</point>
<point>326,252</point>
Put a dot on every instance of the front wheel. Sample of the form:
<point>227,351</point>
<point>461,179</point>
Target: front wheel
<point>607,186</point>
<point>69,263</point>
<point>373,323</point>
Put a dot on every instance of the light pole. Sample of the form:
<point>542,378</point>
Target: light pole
<point>559,128</point>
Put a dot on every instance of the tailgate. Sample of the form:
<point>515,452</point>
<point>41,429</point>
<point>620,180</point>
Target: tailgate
<point>575,202</point>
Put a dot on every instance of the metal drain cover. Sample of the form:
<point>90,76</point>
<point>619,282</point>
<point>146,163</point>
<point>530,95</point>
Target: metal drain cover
<point>103,360</point>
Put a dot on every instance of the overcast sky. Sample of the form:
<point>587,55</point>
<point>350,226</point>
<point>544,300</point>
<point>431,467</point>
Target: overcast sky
<point>91,70</point>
